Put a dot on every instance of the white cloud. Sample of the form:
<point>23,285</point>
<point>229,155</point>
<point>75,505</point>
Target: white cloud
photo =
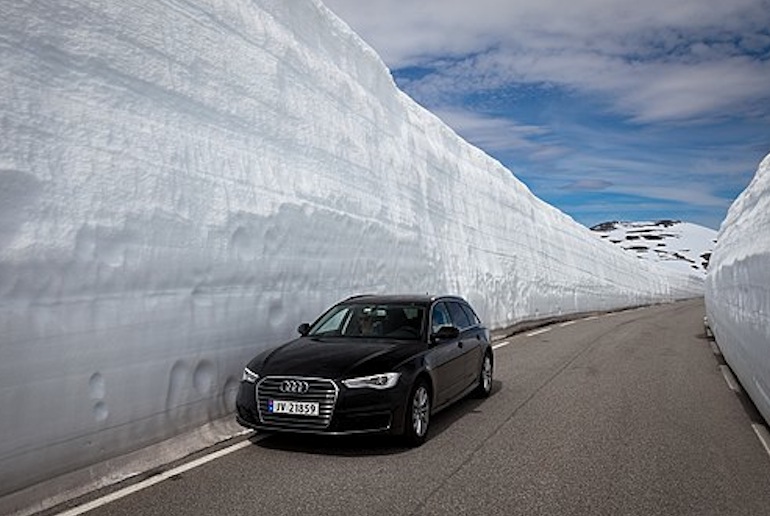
<point>683,91</point>
<point>655,60</point>
<point>588,185</point>
<point>499,134</point>
<point>694,195</point>
<point>403,30</point>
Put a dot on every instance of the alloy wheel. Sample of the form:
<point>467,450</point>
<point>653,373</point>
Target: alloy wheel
<point>420,411</point>
<point>486,374</point>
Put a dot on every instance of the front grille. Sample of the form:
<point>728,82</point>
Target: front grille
<point>319,390</point>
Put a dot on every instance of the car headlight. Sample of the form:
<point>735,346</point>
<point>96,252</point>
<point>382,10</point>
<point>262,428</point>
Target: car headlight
<point>376,381</point>
<point>249,376</point>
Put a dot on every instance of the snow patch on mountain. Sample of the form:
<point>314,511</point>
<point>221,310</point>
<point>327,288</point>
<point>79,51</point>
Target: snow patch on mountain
<point>680,246</point>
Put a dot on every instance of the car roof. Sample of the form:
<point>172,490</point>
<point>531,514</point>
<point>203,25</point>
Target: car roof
<point>421,299</point>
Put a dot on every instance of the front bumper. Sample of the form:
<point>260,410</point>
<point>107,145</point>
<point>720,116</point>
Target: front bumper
<point>353,411</point>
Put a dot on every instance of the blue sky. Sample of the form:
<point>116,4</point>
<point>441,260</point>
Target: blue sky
<point>607,109</point>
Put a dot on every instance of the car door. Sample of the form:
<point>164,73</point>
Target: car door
<point>479,336</point>
<point>446,357</point>
<point>469,343</point>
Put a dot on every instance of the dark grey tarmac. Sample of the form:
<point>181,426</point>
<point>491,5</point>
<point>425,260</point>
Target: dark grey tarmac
<point>625,414</point>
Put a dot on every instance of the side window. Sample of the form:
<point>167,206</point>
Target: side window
<point>459,317</point>
<point>472,317</point>
<point>439,317</point>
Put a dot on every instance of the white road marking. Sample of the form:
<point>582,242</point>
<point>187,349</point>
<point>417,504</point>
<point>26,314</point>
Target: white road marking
<point>763,435</point>
<point>501,345</point>
<point>568,323</point>
<point>591,318</point>
<point>121,493</point>
<point>732,383</point>
<point>538,332</point>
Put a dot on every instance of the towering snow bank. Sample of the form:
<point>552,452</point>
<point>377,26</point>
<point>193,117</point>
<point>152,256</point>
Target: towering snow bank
<point>183,183</point>
<point>738,288</point>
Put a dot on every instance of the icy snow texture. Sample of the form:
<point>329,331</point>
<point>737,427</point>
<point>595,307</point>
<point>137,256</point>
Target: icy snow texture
<point>183,183</point>
<point>738,288</point>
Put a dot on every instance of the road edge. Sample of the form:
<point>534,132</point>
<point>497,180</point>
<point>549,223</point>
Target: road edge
<point>135,465</point>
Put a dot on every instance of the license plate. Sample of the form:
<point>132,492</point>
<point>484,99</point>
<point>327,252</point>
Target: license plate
<point>297,408</point>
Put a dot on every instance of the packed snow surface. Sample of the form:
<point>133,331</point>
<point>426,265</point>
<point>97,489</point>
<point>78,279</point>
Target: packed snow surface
<point>738,288</point>
<point>681,246</point>
<point>181,184</point>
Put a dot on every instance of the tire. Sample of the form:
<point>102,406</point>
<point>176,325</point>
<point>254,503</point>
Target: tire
<point>484,388</point>
<point>417,414</point>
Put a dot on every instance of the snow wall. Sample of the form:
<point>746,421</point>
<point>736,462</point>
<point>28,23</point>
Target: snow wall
<point>181,184</point>
<point>738,289</point>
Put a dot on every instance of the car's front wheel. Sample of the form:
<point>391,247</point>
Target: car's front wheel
<point>417,414</point>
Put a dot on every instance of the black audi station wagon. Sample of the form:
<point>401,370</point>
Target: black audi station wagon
<point>370,364</point>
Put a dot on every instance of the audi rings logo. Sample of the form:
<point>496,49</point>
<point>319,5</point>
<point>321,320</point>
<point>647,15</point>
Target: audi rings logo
<point>294,386</point>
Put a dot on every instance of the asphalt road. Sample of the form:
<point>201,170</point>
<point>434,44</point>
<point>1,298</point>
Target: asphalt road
<point>624,414</point>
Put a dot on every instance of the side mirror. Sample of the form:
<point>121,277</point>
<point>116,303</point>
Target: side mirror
<point>303,329</point>
<point>445,333</point>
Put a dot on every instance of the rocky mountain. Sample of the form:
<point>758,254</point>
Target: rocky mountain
<point>680,245</point>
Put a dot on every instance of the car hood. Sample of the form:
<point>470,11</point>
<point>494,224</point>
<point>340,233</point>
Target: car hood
<point>336,358</point>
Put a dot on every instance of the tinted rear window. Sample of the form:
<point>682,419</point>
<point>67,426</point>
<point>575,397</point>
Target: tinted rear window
<point>459,317</point>
<point>472,317</point>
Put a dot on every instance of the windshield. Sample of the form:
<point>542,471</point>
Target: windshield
<point>358,320</point>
